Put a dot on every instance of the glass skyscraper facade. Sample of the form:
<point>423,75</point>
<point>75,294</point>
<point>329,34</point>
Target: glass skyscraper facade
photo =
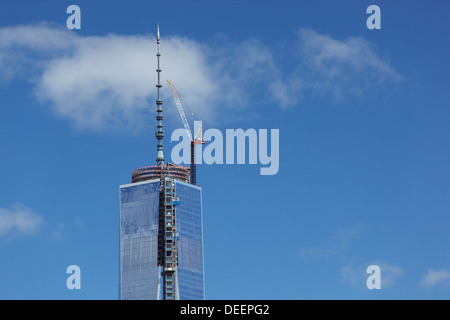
<point>141,277</point>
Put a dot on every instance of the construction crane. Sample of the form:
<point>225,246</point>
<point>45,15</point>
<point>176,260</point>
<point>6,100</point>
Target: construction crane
<point>194,140</point>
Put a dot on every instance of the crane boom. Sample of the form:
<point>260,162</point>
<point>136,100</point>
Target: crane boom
<point>176,97</point>
<point>194,141</point>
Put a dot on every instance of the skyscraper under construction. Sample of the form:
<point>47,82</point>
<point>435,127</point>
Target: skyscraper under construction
<point>161,230</point>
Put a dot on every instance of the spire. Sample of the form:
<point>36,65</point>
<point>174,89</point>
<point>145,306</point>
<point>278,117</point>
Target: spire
<point>159,117</point>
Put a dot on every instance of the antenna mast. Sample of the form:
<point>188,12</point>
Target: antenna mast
<point>159,131</point>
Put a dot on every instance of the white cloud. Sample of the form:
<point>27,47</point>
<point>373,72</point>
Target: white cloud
<point>337,69</point>
<point>108,82</point>
<point>327,53</point>
<point>356,275</point>
<point>337,244</point>
<point>60,232</point>
<point>389,274</point>
<point>19,219</point>
<point>341,245</point>
<point>41,41</point>
<point>105,83</point>
<point>435,277</point>
<point>336,59</point>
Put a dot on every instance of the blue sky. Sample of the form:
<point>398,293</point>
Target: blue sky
<point>364,142</point>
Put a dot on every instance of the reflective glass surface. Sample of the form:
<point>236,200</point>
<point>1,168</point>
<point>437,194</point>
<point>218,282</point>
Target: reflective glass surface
<point>139,273</point>
<point>190,243</point>
<point>140,277</point>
